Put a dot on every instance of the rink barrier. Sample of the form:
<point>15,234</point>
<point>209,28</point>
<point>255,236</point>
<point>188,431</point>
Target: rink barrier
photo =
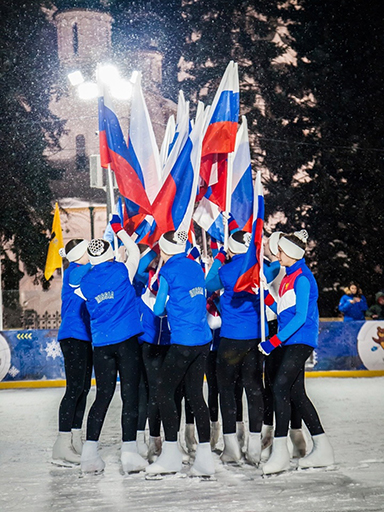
<point>25,384</point>
<point>33,358</point>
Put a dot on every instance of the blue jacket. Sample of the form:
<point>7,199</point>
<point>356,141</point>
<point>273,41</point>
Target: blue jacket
<point>111,302</point>
<point>186,307</point>
<point>75,321</point>
<point>155,329</point>
<point>353,311</point>
<point>297,311</point>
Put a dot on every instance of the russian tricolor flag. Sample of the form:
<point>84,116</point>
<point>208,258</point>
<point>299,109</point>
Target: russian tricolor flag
<point>219,137</point>
<point>208,215</point>
<point>173,206</point>
<point>249,277</point>
<point>114,151</point>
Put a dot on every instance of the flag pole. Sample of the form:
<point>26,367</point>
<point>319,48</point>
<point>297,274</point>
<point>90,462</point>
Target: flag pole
<point>228,198</point>
<point>111,199</point>
<point>262,283</point>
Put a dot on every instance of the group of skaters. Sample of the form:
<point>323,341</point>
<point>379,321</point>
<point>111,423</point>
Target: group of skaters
<point>162,331</point>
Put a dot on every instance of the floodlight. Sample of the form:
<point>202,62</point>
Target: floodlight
<point>108,74</point>
<point>76,78</point>
<point>88,91</point>
<point>121,90</point>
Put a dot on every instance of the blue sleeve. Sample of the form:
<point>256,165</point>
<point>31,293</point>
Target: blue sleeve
<point>302,288</point>
<point>161,297</point>
<point>142,272</point>
<point>344,304</point>
<point>213,281</point>
<point>271,270</point>
<point>363,304</point>
<point>78,273</point>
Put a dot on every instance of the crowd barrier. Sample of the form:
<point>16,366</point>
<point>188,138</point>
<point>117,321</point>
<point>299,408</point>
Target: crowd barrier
<point>33,358</point>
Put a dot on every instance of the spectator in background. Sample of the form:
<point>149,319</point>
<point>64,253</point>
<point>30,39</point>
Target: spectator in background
<point>376,312</point>
<point>353,304</point>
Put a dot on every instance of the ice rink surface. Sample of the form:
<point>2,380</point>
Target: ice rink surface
<point>352,412</point>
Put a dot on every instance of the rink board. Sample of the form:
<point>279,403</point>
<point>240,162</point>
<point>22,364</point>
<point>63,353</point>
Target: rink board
<point>33,358</point>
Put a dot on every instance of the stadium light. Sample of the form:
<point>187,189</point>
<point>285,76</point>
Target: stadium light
<point>76,78</point>
<point>88,91</point>
<point>108,74</point>
<point>121,90</point>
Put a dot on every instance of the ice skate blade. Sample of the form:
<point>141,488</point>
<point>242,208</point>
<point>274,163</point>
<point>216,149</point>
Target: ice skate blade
<point>203,478</point>
<point>278,473</point>
<point>64,463</point>
<point>332,467</point>
<point>162,476</point>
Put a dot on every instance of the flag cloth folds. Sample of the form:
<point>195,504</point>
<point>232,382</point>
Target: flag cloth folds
<point>124,163</point>
<point>208,215</point>
<point>219,137</point>
<point>249,278</point>
<point>54,259</point>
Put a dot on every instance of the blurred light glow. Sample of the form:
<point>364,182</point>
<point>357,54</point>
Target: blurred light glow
<point>88,91</point>
<point>121,90</point>
<point>134,76</point>
<point>108,74</point>
<point>76,78</point>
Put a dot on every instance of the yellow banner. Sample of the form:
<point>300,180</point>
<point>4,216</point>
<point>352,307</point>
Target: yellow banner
<point>54,259</point>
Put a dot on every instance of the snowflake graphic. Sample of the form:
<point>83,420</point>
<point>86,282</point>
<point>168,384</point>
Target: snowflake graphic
<point>53,349</point>
<point>13,371</point>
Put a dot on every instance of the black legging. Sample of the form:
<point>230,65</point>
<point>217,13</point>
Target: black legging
<point>78,373</point>
<point>271,365</point>
<point>288,385</point>
<point>153,357</point>
<point>186,364</point>
<point>240,359</point>
<point>143,396</point>
<point>123,358</point>
<point>213,388</point>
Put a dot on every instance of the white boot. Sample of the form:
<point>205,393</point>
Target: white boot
<point>131,460</point>
<point>184,451</point>
<point>63,450</point>
<point>266,442</point>
<point>279,460</point>
<point>204,464</point>
<point>240,432</point>
<point>215,434</point>
<point>170,460</point>
<point>253,453</point>
<point>232,452</point>
<point>77,441</point>
<point>190,439</point>
<point>321,455</point>
<point>142,447</point>
<point>91,462</point>
<point>154,448</point>
<point>298,443</point>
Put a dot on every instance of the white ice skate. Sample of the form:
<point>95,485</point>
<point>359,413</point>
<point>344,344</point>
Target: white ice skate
<point>232,452</point>
<point>240,432</point>
<point>63,453</point>
<point>280,459</point>
<point>154,448</point>
<point>266,442</point>
<point>321,455</point>
<point>298,442</point>
<point>77,441</point>
<point>215,434</point>
<point>190,438</point>
<point>253,453</point>
<point>142,447</point>
<point>91,462</point>
<point>170,460</point>
<point>203,464</point>
<point>131,460</point>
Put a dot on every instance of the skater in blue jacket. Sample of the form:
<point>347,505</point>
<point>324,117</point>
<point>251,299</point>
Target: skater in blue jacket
<point>298,325</point>
<point>115,326</point>
<point>75,342</point>
<point>182,283</point>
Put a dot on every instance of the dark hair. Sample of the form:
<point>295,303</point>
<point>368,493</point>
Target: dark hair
<point>72,243</point>
<point>238,236</point>
<point>359,292</point>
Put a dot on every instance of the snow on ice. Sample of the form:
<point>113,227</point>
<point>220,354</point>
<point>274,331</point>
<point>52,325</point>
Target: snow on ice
<point>352,411</point>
